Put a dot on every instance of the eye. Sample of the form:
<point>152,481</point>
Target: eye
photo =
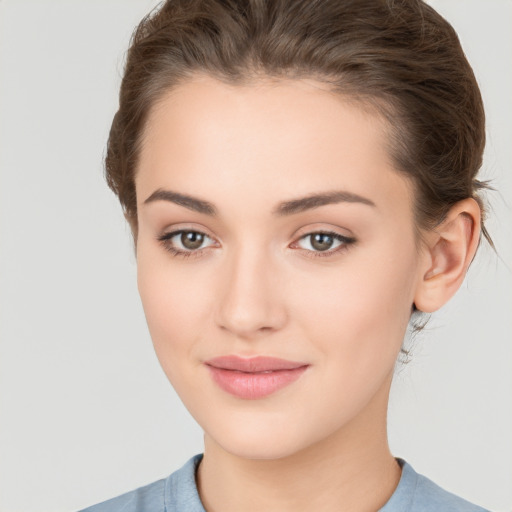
<point>324,243</point>
<point>184,242</point>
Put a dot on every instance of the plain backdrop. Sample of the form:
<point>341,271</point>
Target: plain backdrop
<point>85,411</point>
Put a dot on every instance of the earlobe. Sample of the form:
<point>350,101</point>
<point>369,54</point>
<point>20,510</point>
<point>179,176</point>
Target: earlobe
<point>449,250</point>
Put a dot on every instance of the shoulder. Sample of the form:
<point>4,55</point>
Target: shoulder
<point>147,498</point>
<point>417,493</point>
<point>176,493</point>
<point>429,496</point>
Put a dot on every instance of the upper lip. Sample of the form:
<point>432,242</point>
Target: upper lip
<point>253,364</point>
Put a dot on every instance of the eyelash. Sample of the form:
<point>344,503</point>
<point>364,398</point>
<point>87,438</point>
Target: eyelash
<point>165,238</point>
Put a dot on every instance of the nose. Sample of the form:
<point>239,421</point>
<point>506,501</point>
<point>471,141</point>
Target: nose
<point>251,303</point>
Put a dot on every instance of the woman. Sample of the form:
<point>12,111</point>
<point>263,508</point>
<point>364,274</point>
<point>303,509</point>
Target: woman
<point>300,182</point>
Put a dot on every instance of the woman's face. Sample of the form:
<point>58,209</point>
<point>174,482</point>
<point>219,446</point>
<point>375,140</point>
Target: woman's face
<point>326,285</point>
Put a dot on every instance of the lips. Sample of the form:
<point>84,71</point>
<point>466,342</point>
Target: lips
<point>255,377</point>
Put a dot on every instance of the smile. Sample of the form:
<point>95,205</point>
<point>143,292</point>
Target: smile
<point>253,378</point>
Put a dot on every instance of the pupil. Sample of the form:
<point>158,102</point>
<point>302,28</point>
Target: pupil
<point>191,240</point>
<point>321,241</point>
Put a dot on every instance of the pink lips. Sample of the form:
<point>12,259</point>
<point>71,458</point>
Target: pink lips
<point>255,377</point>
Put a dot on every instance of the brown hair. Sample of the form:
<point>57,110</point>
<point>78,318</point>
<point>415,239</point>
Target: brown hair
<point>398,57</point>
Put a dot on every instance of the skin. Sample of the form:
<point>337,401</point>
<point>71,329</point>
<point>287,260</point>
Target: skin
<point>253,290</point>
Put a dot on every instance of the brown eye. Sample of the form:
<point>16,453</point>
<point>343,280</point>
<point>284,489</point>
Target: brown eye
<point>324,243</point>
<point>321,241</point>
<point>185,242</point>
<point>191,239</point>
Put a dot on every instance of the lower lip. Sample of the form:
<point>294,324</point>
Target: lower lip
<point>252,386</point>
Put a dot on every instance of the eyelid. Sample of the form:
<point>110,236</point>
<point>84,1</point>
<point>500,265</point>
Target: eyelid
<point>185,227</point>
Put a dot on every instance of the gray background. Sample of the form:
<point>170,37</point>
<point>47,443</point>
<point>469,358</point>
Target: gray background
<point>85,410</point>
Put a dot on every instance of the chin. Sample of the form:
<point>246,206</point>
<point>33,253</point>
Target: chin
<point>266,435</point>
<point>261,448</point>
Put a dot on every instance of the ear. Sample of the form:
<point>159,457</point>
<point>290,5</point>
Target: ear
<point>447,254</point>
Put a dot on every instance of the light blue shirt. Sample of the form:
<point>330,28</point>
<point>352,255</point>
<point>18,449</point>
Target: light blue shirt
<point>178,493</point>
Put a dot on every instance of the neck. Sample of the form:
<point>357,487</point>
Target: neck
<point>352,469</point>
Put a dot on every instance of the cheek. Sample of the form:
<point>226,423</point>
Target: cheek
<point>359,311</point>
<point>175,305</point>
<point>355,319</point>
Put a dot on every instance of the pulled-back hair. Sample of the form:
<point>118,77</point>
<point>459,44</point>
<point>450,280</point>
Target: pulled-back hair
<point>399,58</point>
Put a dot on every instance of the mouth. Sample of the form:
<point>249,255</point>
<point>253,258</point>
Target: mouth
<point>255,377</point>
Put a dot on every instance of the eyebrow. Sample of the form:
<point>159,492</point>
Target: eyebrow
<point>284,208</point>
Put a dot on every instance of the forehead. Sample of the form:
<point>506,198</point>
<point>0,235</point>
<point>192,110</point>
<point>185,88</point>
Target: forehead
<point>274,139</point>
<point>302,110</point>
